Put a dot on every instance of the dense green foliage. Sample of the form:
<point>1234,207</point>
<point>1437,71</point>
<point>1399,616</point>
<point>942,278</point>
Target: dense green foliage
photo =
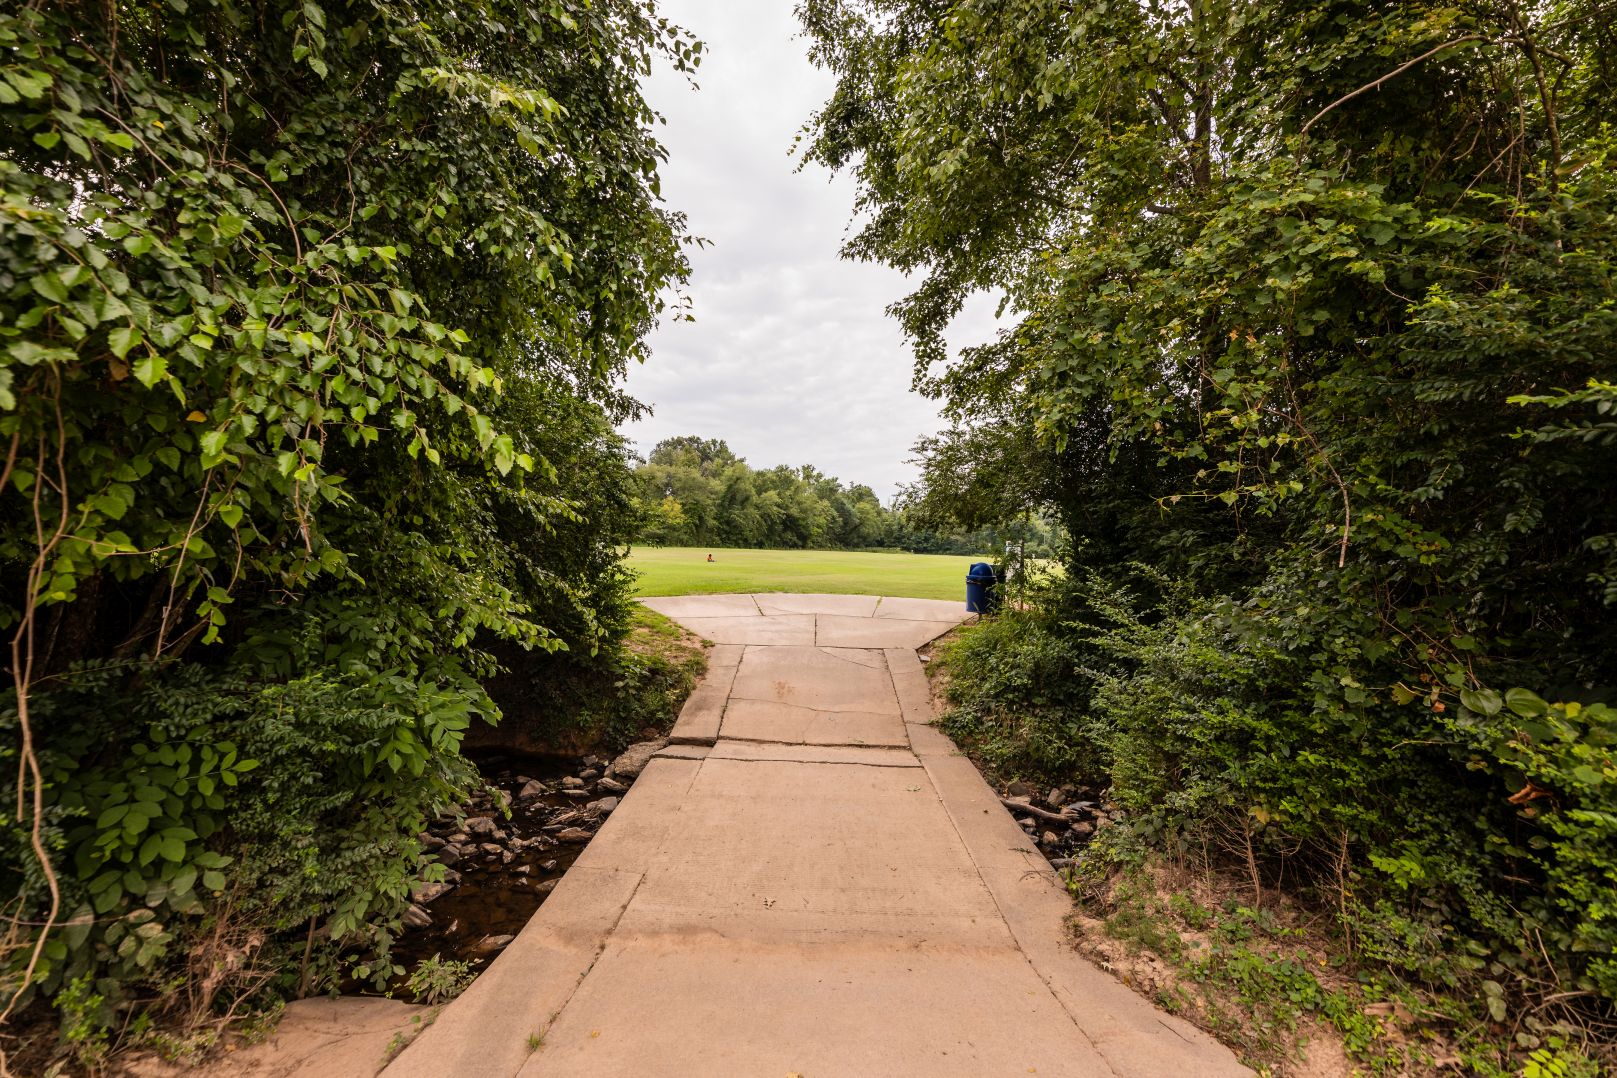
<point>1317,305</point>
<point>697,492</point>
<point>312,318</point>
<point>622,694</point>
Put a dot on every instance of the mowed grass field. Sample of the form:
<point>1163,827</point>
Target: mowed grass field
<point>685,571</point>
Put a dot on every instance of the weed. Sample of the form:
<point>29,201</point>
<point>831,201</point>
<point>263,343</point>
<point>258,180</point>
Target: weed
<point>84,1021</point>
<point>438,980</point>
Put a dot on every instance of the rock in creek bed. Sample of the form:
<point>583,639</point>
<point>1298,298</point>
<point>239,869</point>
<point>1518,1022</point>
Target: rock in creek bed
<point>505,867</point>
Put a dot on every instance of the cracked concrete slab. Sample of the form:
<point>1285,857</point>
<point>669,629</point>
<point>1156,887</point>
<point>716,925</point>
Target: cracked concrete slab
<point>774,720</point>
<point>847,632</point>
<point>857,606</point>
<point>680,607</point>
<point>757,629</point>
<point>733,1010</point>
<point>914,691</point>
<point>923,609</point>
<point>698,722</point>
<point>819,678</point>
<point>813,754</point>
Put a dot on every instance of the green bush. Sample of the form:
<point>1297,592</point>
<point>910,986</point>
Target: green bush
<point>1208,722</point>
<point>313,321</point>
<point>1019,691</point>
<point>195,795</point>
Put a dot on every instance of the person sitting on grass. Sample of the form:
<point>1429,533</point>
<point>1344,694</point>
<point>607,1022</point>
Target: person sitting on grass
<point>710,557</point>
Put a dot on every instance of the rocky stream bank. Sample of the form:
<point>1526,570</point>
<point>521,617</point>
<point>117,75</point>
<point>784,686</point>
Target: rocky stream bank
<point>1060,821</point>
<point>506,849</point>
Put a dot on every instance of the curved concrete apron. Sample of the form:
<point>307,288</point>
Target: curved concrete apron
<point>810,879</point>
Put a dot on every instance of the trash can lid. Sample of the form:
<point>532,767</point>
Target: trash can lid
<point>981,572</point>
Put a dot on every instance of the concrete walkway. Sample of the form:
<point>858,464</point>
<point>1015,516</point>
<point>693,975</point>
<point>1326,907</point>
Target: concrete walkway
<point>809,880</point>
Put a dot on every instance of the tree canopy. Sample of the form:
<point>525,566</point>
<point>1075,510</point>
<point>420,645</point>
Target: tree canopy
<point>1315,309</point>
<point>312,323</point>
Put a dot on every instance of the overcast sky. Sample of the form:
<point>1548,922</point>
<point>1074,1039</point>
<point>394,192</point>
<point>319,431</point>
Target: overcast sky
<point>791,359</point>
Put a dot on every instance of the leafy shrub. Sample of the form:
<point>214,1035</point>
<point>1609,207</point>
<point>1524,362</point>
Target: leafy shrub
<point>1019,687</point>
<point>192,793</point>
<point>307,396</point>
<point>580,703</point>
<point>439,980</point>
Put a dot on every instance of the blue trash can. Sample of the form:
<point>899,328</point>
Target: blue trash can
<point>980,581</point>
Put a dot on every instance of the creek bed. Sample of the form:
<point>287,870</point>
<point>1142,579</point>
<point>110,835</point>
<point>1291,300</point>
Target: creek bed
<point>500,869</point>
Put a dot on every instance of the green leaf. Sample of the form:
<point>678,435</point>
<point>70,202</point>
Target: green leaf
<point>1482,701</point>
<point>1524,703</point>
<point>50,286</point>
<point>122,339</point>
<point>151,369</point>
<point>111,816</point>
<point>110,505</point>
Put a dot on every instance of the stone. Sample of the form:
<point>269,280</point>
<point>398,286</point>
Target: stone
<point>432,842</point>
<point>1059,863</point>
<point>572,782</point>
<point>611,785</point>
<point>426,892</point>
<point>634,759</point>
<point>491,945</point>
<point>593,761</point>
<point>451,877</point>
<point>1019,789</point>
<point>506,857</point>
<point>603,807</point>
<point>491,849</point>
<point>416,917</point>
<point>458,837</point>
<point>551,866</point>
<point>531,790</point>
<point>545,887</point>
<point>578,795</point>
<point>450,854</point>
<point>1056,797</point>
<point>1048,839</point>
<point>589,774</point>
<point>522,780</point>
<point>480,825</point>
<point>574,834</point>
<point>1083,827</point>
<point>522,870</point>
<point>1025,823</point>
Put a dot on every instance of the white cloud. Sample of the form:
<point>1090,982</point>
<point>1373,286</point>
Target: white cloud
<point>791,359</point>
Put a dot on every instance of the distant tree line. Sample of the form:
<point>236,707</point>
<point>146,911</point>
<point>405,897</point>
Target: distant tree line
<point>696,492</point>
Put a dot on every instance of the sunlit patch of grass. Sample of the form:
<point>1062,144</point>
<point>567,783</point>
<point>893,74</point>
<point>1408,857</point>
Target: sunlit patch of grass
<point>686,571</point>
